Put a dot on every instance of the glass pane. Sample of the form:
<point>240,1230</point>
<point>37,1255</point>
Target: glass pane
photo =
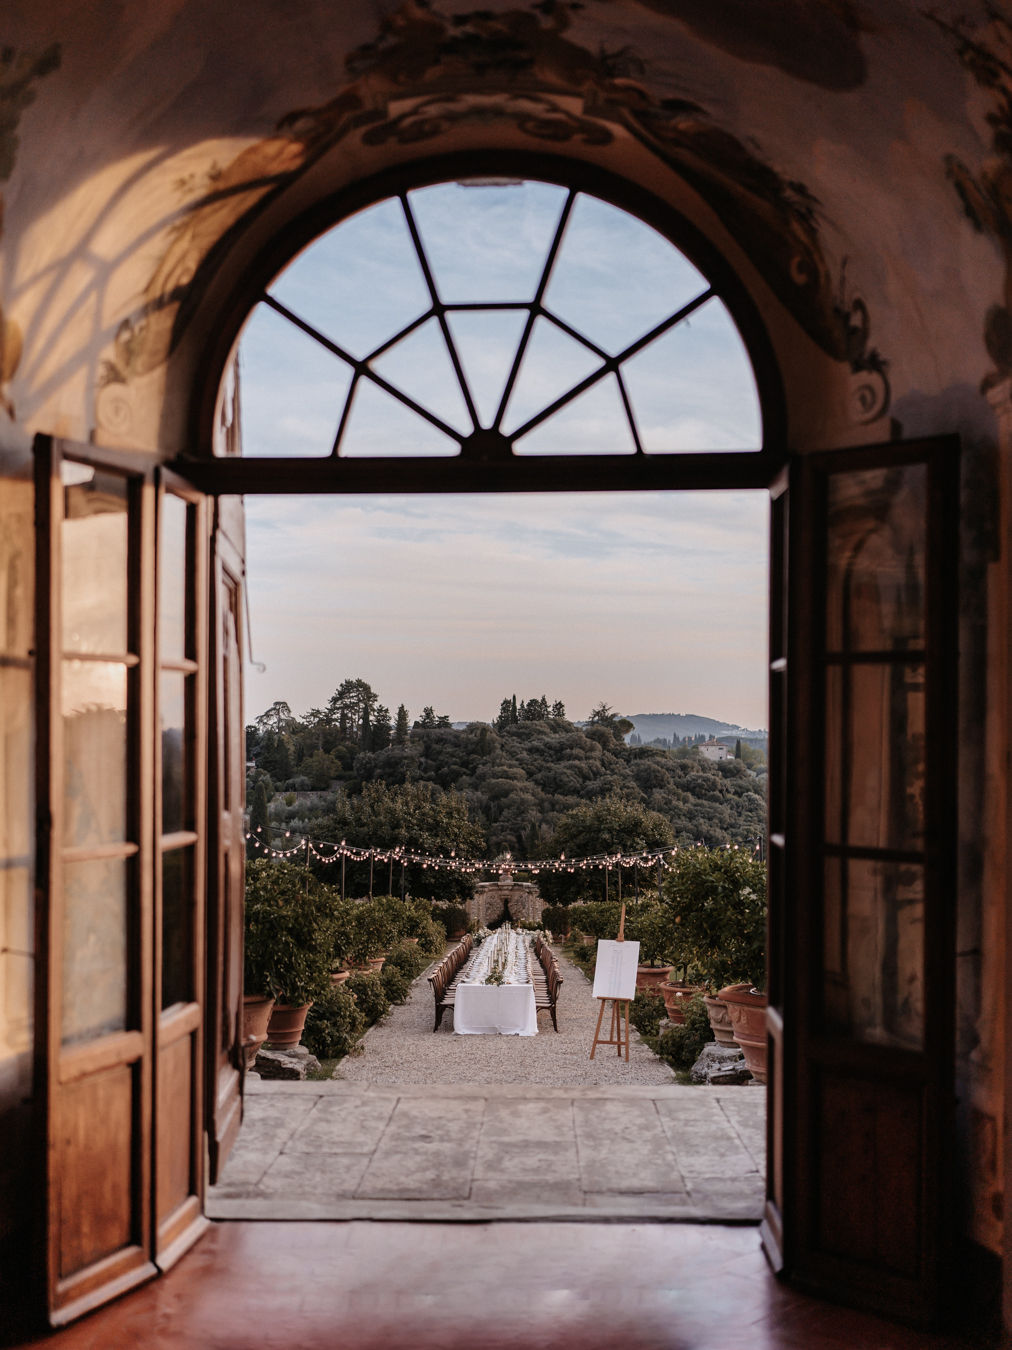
<point>380,425</point>
<point>94,752</point>
<point>693,387</point>
<point>552,365</point>
<point>177,926</point>
<point>876,523</point>
<point>486,342</point>
<point>173,579</point>
<point>292,389</point>
<point>94,948</point>
<point>94,540</point>
<point>17,825</point>
<point>875,755</point>
<point>360,283</point>
<point>487,242</point>
<point>615,278</point>
<point>419,365</point>
<point>17,969</point>
<point>874,952</point>
<point>172,692</point>
<point>17,567</point>
<point>595,423</point>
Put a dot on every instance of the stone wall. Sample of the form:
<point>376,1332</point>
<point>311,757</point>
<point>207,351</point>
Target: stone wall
<point>521,898</point>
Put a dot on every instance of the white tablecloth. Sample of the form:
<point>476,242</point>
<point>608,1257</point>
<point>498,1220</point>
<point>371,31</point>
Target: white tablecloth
<point>484,1009</point>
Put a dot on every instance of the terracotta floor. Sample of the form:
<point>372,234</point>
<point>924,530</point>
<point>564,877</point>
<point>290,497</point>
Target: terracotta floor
<point>555,1286</point>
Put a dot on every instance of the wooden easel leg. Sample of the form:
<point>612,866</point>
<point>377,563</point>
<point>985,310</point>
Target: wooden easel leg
<point>597,1032</point>
<point>626,1031</point>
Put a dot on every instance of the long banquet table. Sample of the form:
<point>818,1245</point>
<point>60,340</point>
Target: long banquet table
<point>507,1009</point>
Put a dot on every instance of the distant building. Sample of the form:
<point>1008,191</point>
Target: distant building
<point>714,750</point>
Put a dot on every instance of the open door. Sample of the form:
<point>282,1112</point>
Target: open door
<point>121,583</point>
<point>227,776</point>
<point>862,875</point>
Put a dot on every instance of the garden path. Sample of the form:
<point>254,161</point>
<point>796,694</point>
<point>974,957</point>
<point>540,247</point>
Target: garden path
<point>433,1126</point>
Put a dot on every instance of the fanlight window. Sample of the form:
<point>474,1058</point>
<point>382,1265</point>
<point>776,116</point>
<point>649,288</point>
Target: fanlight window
<point>490,319</point>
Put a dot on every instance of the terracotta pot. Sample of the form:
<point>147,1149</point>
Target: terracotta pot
<point>339,976</point>
<point>287,1024</point>
<point>747,1010</point>
<point>675,997</point>
<point>413,940</point>
<point>375,963</point>
<point>256,1013</point>
<point>720,1020</point>
<point>652,977</point>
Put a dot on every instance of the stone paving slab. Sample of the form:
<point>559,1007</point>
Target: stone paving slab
<point>438,1127</point>
<point>465,1153</point>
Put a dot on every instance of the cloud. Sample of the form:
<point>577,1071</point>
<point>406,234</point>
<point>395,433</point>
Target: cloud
<point>648,601</point>
<point>653,601</point>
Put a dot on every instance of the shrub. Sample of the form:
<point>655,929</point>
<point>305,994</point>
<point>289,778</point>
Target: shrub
<point>374,928</point>
<point>454,918</point>
<point>370,995</point>
<point>289,932</point>
<point>334,1024</point>
<point>717,900</point>
<point>396,984</point>
<point>408,958</point>
<point>680,1046</point>
<point>647,1012</point>
<point>652,927</point>
<point>432,938</point>
<point>598,918</point>
<point>556,919</point>
<point>416,918</point>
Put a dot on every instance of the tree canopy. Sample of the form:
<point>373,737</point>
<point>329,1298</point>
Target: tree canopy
<point>514,780</point>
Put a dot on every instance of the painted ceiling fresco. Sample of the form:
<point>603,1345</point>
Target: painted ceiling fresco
<point>527,57</point>
<point>20,73</point>
<point>986,52</point>
<point>717,93</point>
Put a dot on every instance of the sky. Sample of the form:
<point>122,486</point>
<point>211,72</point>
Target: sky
<point>648,602</point>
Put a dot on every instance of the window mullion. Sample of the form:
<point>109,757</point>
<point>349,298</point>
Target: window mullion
<point>535,310</point>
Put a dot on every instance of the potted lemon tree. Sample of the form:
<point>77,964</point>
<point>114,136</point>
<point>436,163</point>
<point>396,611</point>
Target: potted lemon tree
<point>716,901</point>
<point>289,943</point>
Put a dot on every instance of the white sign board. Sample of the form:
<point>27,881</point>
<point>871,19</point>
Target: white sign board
<point>615,972</point>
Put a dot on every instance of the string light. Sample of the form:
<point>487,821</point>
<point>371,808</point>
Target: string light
<point>662,858</point>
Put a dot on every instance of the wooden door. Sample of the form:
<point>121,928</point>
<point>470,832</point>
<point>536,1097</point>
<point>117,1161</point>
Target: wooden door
<point>180,868</point>
<point>95,869</point>
<point>121,618</point>
<point>862,876</point>
<point>227,769</point>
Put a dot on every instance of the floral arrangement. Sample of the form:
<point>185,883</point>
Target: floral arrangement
<point>504,958</point>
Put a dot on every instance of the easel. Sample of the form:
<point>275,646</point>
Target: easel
<point>619,1008</point>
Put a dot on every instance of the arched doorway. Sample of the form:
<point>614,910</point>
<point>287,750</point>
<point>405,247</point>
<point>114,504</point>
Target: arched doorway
<point>835,1081</point>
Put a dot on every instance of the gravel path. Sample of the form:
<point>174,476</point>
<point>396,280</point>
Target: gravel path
<point>403,1049</point>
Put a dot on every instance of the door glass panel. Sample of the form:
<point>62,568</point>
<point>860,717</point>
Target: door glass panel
<point>175,775</point>
<point>876,534</point>
<point>177,926</point>
<point>94,540</point>
<point>95,752</point>
<point>95,948</point>
<point>873,951</point>
<point>875,755</point>
<point>172,580</point>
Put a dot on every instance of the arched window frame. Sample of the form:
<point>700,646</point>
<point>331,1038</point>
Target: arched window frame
<point>485,468</point>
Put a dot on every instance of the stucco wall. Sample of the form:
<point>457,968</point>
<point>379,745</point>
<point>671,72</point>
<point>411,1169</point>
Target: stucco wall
<point>852,163</point>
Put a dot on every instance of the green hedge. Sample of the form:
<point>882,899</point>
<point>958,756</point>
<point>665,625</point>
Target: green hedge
<point>680,1046</point>
<point>367,987</point>
<point>333,1025</point>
